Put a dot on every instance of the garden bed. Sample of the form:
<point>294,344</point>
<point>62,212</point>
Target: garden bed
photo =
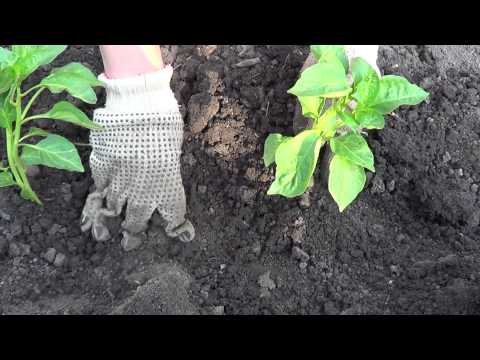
<point>410,243</point>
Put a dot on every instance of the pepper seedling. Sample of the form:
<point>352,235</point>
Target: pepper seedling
<point>16,65</point>
<point>326,91</point>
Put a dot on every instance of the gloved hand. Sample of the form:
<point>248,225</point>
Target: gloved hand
<point>368,52</point>
<point>135,160</point>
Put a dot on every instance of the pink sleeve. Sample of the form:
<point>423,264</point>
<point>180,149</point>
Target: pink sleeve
<point>122,61</point>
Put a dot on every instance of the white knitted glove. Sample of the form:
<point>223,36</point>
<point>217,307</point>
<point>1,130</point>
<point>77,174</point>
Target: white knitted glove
<point>368,52</point>
<point>135,159</point>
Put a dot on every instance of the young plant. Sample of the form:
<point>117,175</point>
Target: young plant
<point>326,92</point>
<point>54,151</point>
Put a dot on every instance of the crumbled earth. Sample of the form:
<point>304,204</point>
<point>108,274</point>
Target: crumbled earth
<point>408,245</point>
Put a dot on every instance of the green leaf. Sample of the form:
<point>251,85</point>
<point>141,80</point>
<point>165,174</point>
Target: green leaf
<point>324,51</point>
<point>296,159</point>
<point>361,70</point>
<point>345,181</point>
<point>6,179</point>
<point>74,78</point>
<point>7,58</point>
<point>34,131</point>
<point>327,124</point>
<point>367,90</point>
<point>67,112</point>
<point>395,91</point>
<point>31,57</point>
<point>271,144</point>
<point>55,151</point>
<point>7,112</point>
<point>348,119</point>
<point>7,77</point>
<point>366,81</point>
<point>327,80</point>
<point>354,147</point>
<point>369,118</point>
<point>311,106</point>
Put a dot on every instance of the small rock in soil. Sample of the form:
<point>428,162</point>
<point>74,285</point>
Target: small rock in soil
<point>420,269</point>
<point>257,248</point>
<point>248,62</point>
<point>450,91</point>
<point>56,228</point>
<point>59,260</point>
<point>49,255</point>
<point>202,189</point>
<point>299,254</point>
<point>395,270</point>
<point>130,242</point>
<point>297,236</point>
<point>246,50</point>
<point>25,249</point>
<point>299,221</point>
<point>474,188</point>
<point>391,185</point>
<point>247,194</point>
<point>305,201</point>
<point>206,51</point>
<point>449,260</point>
<point>14,250</point>
<point>446,157</point>
<point>303,265</point>
<point>266,282</point>
<point>378,186</point>
<point>165,294</point>
<point>201,108</point>
<point>4,215</point>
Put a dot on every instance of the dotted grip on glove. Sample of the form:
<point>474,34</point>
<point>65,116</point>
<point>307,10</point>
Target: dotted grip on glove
<point>135,160</point>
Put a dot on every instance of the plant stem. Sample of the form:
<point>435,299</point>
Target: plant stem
<point>30,118</point>
<point>30,103</point>
<point>30,90</point>
<point>16,165</point>
<point>4,149</point>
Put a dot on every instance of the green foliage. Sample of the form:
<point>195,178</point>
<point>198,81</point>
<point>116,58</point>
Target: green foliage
<point>65,111</point>
<point>271,145</point>
<point>75,79</point>
<point>296,159</point>
<point>325,80</point>
<point>54,151</point>
<point>6,179</point>
<point>345,181</point>
<point>374,96</point>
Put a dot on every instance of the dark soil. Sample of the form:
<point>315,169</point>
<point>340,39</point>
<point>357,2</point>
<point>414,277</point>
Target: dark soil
<point>410,244</point>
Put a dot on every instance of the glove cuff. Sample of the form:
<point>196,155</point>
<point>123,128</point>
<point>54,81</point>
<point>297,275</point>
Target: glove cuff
<point>144,93</point>
<point>368,52</point>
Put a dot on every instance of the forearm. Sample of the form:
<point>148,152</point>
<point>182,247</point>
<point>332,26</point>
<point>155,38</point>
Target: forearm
<point>122,61</point>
